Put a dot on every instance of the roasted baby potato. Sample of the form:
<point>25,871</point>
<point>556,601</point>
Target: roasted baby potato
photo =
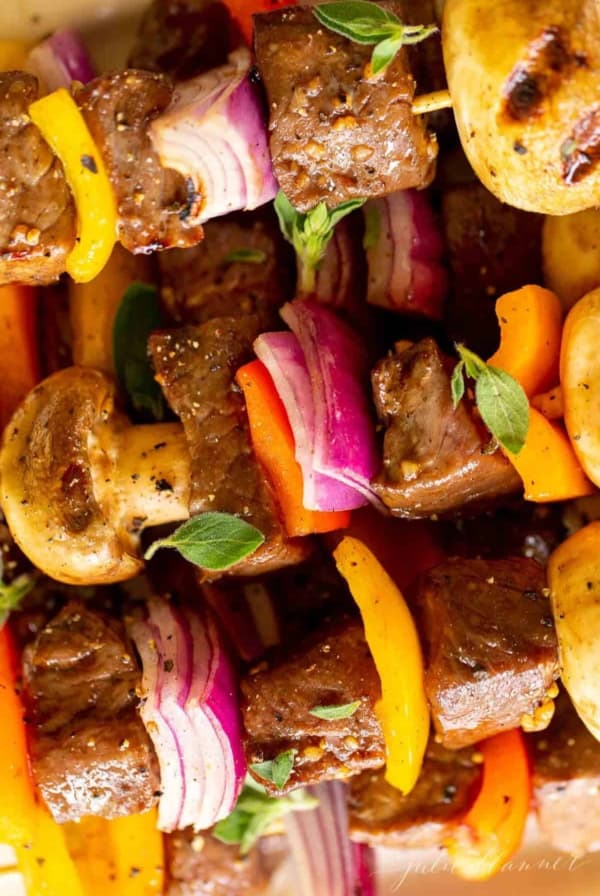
<point>524,76</point>
<point>580,379</point>
<point>574,578</point>
<point>571,254</point>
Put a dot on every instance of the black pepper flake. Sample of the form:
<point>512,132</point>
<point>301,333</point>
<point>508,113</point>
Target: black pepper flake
<point>519,148</point>
<point>89,163</point>
<point>168,665</point>
<point>449,793</point>
<point>163,485</point>
<point>133,871</point>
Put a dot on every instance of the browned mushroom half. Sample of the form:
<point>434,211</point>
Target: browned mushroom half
<point>79,482</point>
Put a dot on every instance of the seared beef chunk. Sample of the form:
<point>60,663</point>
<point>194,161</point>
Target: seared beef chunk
<point>153,202</point>
<point>89,749</point>
<point>382,816</point>
<point>566,782</point>
<point>37,214</point>
<point>337,134</point>
<point>182,38</point>
<point>202,283</point>
<point>490,646</point>
<point>200,865</point>
<point>332,667</point>
<point>196,366</point>
<point>493,248</point>
<point>435,459</point>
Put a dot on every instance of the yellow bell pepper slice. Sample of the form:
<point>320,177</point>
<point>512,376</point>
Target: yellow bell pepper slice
<point>13,54</point>
<point>392,638</point>
<point>122,857</point>
<point>66,132</point>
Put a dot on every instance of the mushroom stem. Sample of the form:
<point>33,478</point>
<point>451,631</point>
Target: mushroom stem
<point>431,102</point>
<point>150,481</point>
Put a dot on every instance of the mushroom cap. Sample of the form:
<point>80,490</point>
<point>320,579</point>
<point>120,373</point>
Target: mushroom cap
<point>49,461</point>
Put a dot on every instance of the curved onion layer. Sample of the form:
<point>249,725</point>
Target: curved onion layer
<point>214,134</point>
<point>337,275</point>
<point>404,269</point>
<point>325,861</point>
<point>344,446</point>
<point>190,710</point>
<point>59,60</point>
<point>283,357</point>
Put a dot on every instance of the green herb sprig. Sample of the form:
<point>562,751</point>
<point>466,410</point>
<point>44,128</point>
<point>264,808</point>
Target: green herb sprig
<point>277,771</point>
<point>12,593</point>
<point>500,399</point>
<point>137,316</point>
<point>213,541</point>
<point>331,713</point>
<point>256,812</point>
<point>310,234</point>
<point>367,23</point>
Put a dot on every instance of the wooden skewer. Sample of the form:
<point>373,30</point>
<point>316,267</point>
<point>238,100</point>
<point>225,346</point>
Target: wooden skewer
<point>431,102</point>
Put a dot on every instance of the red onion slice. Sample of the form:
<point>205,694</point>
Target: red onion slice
<point>344,442</point>
<point>282,355</point>
<point>325,862</point>
<point>59,60</point>
<point>405,273</point>
<point>214,134</point>
<point>190,710</point>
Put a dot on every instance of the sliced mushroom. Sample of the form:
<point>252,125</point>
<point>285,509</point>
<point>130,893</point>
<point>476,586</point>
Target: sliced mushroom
<point>79,482</point>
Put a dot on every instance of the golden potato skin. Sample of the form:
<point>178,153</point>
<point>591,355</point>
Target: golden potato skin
<point>574,579</point>
<point>524,76</point>
<point>571,254</point>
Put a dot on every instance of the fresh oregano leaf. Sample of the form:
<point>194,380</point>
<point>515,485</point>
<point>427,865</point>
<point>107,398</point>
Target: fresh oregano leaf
<point>504,407</point>
<point>331,713</point>
<point>457,384</point>
<point>12,593</point>
<point>256,812</point>
<point>137,316</point>
<point>310,233</point>
<point>277,770</point>
<point>247,256</point>
<point>367,23</point>
<point>213,541</point>
<point>500,399</point>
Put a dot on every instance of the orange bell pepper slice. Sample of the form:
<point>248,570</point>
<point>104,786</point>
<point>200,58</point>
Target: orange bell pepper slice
<point>392,638</point>
<point>243,10</point>
<point>19,360</point>
<point>547,463</point>
<point>530,321</point>
<point>121,857</point>
<point>550,403</point>
<point>25,823</point>
<point>273,444</point>
<point>492,829</point>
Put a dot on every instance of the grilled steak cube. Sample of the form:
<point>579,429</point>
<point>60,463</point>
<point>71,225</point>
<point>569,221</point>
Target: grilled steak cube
<point>381,815</point>
<point>490,646</point>
<point>336,133</point>
<point>196,368</point>
<point>200,865</point>
<point>153,203</point>
<point>37,214</point>
<point>90,753</point>
<point>331,667</point>
<point>566,782</point>
<point>182,38</point>
<point>207,281</point>
<point>435,459</point>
